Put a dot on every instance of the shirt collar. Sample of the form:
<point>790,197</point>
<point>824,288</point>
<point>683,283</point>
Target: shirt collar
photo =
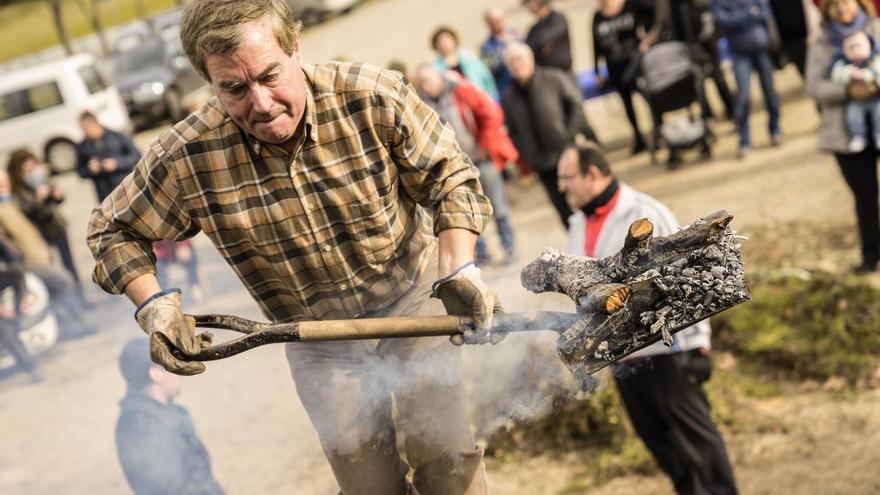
<point>598,204</point>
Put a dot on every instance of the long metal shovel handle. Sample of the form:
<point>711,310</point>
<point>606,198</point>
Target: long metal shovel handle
<point>260,333</point>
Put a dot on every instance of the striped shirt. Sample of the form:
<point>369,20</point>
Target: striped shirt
<point>339,229</point>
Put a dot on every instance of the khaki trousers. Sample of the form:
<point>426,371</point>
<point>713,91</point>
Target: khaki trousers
<point>347,389</point>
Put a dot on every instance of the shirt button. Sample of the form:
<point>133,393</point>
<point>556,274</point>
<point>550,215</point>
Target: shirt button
<point>343,286</point>
<point>326,248</point>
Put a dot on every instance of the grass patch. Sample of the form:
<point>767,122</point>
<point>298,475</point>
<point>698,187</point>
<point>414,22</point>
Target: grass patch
<point>814,326</point>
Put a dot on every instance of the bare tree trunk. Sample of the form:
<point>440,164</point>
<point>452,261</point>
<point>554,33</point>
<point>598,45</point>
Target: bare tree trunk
<point>58,19</point>
<point>90,10</point>
<point>98,26</point>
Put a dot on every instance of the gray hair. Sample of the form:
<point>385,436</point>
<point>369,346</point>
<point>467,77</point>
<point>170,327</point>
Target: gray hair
<point>212,27</point>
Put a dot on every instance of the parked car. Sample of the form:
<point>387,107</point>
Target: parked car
<point>315,11</point>
<point>154,78</point>
<point>40,108</point>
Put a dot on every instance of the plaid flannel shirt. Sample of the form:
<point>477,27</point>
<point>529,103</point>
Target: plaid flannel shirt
<point>338,229</point>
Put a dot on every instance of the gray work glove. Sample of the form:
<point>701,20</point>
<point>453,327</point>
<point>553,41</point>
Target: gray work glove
<point>464,293</point>
<point>167,326</point>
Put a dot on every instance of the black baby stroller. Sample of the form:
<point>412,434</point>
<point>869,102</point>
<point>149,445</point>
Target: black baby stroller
<point>670,80</point>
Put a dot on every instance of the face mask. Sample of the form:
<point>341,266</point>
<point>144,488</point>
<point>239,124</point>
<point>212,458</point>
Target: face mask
<point>36,178</point>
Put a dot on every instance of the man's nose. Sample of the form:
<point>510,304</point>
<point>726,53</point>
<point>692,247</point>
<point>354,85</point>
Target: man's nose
<point>262,99</point>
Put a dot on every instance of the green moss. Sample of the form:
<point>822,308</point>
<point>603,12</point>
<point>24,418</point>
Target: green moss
<point>817,326</point>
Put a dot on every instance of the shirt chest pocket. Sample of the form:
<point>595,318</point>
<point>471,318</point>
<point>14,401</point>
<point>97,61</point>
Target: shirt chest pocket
<point>373,229</point>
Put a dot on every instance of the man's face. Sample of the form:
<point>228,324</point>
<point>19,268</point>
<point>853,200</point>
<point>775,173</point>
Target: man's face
<point>577,187</point>
<point>91,129</point>
<point>495,21</point>
<point>857,48</point>
<point>534,6</point>
<point>168,382</point>
<point>262,88</point>
<point>521,65</point>
<point>430,81</point>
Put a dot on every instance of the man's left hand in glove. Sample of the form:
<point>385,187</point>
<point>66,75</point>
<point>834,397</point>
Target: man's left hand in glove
<point>464,293</point>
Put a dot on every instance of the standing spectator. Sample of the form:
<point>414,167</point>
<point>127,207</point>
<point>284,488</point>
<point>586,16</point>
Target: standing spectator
<point>169,253</point>
<point>451,57</point>
<point>21,243</point>
<point>617,28</point>
<point>792,22</point>
<point>544,115</point>
<point>156,441</point>
<point>744,23</point>
<point>661,387</point>
<point>39,201</point>
<point>492,51</point>
<point>859,169</point>
<point>548,37</point>
<point>479,128</point>
<point>13,277</point>
<point>690,21</point>
<point>104,156</point>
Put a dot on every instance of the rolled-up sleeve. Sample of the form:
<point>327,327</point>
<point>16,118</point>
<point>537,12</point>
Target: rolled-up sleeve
<point>147,206</point>
<point>433,169</point>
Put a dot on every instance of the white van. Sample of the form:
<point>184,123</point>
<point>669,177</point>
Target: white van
<point>40,108</point>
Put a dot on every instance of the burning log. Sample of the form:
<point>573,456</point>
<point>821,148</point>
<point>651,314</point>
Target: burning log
<point>652,288</point>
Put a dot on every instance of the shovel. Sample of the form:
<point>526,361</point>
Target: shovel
<point>651,289</point>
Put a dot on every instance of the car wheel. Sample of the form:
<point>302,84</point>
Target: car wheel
<point>61,155</point>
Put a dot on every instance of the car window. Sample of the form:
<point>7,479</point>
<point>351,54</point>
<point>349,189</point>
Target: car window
<point>29,100</point>
<point>93,80</point>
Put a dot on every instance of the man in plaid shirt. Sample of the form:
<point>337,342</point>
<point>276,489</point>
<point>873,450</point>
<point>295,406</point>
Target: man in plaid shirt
<point>320,185</point>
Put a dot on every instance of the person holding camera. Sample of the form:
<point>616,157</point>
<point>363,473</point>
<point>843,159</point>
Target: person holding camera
<point>38,199</point>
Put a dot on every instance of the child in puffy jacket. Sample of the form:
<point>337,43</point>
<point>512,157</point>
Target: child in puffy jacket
<point>859,61</point>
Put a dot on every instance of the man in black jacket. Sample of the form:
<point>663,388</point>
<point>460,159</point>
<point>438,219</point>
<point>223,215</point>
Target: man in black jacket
<point>544,114</point>
<point>105,156</point>
<point>548,37</point>
<point>156,442</point>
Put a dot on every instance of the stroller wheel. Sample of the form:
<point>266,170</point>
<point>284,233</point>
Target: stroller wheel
<point>675,159</point>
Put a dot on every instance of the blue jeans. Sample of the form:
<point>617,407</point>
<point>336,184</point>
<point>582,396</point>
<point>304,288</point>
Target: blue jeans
<point>743,65</point>
<point>857,113</point>
<point>493,188</point>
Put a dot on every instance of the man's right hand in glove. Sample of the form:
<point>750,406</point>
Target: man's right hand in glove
<point>162,319</point>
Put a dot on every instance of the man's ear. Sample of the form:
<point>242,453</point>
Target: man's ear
<point>156,374</point>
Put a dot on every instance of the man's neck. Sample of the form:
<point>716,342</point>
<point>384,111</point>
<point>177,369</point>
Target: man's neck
<point>544,13</point>
<point>155,393</point>
<point>609,189</point>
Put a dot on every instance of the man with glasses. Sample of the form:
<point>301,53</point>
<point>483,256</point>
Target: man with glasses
<point>661,387</point>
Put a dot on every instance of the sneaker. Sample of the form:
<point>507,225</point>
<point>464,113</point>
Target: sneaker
<point>776,138</point>
<point>743,151</point>
<point>857,144</point>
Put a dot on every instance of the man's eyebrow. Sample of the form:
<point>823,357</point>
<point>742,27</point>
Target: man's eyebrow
<point>233,83</point>
<point>268,70</point>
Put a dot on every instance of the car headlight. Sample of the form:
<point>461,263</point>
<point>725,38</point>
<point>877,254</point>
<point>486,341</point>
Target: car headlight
<point>148,92</point>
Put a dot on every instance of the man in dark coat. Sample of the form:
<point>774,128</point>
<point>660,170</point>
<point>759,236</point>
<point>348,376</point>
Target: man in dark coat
<point>544,114</point>
<point>548,37</point>
<point>105,156</point>
<point>157,444</point>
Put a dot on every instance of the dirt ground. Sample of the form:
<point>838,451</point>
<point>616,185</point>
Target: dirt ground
<point>57,437</point>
